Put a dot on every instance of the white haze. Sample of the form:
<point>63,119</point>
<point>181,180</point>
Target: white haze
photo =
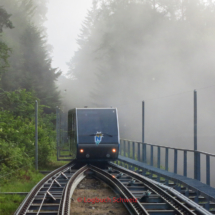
<point>168,102</point>
<point>64,19</point>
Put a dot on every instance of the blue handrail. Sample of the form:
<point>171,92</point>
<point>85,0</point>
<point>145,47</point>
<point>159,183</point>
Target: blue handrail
<point>197,154</point>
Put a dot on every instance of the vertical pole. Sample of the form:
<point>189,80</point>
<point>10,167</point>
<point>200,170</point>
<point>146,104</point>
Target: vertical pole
<point>195,120</point>
<point>57,131</point>
<point>143,119</point>
<point>196,154</point>
<point>195,132</point>
<point>36,135</point>
<point>138,153</point>
<point>143,132</point>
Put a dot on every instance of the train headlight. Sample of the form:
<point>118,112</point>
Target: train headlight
<point>113,150</point>
<point>81,150</point>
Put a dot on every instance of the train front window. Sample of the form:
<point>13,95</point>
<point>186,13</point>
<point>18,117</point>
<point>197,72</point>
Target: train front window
<point>91,121</point>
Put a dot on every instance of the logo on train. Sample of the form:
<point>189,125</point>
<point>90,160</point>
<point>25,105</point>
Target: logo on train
<point>98,137</point>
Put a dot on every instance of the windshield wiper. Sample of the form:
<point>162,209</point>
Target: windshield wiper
<point>105,134</point>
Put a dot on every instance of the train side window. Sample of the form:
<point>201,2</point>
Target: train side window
<point>73,123</point>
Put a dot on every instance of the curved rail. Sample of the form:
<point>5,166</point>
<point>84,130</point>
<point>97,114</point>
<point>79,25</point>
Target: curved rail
<point>53,193</point>
<point>152,186</point>
<point>69,189</point>
<point>28,207</point>
<point>133,206</point>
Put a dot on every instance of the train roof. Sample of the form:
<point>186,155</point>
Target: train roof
<point>89,108</point>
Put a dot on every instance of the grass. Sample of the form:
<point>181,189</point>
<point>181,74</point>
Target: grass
<point>20,183</point>
<point>23,181</point>
<point>53,164</point>
<point>9,203</point>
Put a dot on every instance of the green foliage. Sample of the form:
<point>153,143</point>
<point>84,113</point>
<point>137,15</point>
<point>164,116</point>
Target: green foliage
<point>4,50</point>
<point>17,130</point>
<point>4,55</point>
<point>4,19</point>
<point>19,102</point>
<point>8,203</point>
<point>12,159</point>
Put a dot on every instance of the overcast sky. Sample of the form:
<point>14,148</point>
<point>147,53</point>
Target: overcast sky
<point>63,26</point>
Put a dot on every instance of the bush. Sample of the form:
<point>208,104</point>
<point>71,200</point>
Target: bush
<point>17,132</point>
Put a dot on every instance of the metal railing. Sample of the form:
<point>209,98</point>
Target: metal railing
<point>140,152</point>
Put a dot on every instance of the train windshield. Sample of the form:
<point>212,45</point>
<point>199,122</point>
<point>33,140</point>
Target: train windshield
<point>97,126</point>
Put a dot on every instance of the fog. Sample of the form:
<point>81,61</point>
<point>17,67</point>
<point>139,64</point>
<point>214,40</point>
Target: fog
<point>157,53</point>
<point>64,19</point>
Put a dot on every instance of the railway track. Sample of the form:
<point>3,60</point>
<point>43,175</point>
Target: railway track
<point>52,195</point>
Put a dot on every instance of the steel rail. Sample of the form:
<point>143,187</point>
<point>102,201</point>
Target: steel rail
<point>177,205</point>
<point>69,189</point>
<point>191,203</point>
<point>22,209</point>
<point>134,206</point>
<point>47,192</point>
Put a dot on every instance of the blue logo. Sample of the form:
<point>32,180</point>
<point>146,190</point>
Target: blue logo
<point>98,137</point>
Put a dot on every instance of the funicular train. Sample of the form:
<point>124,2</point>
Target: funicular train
<point>94,133</point>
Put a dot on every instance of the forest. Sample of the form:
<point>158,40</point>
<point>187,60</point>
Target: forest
<point>26,75</point>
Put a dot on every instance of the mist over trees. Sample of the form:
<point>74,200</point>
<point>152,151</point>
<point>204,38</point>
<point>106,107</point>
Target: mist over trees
<point>139,44</point>
<point>130,51</point>
<point>26,75</point>
<point>158,51</point>
<point>29,62</point>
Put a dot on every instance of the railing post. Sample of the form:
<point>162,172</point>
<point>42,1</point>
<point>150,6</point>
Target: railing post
<point>175,160</point>
<point>185,163</point>
<point>142,152</point>
<point>198,166</point>
<point>151,158</point>
<point>167,159</point>
<point>124,147</point>
<point>133,150</point>
<point>208,170</point>
<point>129,152</point>
<point>159,155</point>
<point>120,149</point>
<point>145,154</point>
<point>138,153</point>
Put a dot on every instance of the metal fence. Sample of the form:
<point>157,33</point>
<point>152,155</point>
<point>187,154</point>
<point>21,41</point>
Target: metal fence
<point>151,154</point>
<point>63,145</point>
